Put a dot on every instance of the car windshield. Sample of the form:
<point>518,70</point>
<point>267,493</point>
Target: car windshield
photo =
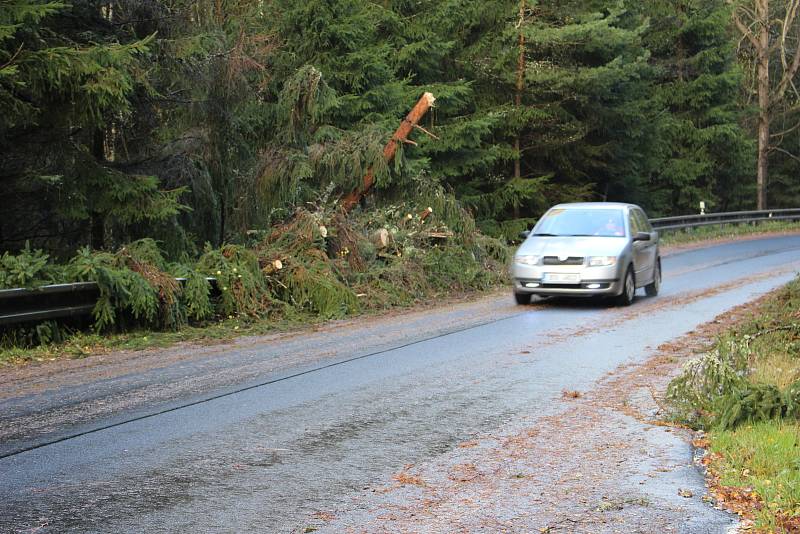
<point>581,222</point>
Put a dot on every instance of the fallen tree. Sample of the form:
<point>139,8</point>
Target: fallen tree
<point>400,136</point>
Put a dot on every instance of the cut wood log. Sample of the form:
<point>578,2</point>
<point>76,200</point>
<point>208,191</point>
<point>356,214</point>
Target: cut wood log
<point>381,238</point>
<point>400,136</point>
<point>441,236</point>
<point>273,266</point>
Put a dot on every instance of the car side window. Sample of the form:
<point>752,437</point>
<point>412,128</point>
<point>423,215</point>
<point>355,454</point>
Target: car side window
<point>641,218</point>
<point>634,223</point>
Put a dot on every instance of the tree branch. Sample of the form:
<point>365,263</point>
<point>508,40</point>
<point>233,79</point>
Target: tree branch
<point>11,60</point>
<point>790,70</point>
<point>787,131</point>
<point>745,30</point>
<point>782,151</point>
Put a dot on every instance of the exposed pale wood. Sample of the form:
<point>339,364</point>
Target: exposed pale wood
<point>439,235</point>
<point>273,266</point>
<point>426,132</point>
<point>381,238</point>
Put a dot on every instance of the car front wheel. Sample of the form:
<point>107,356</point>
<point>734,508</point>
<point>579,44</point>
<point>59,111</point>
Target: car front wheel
<point>628,289</point>
<point>522,298</point>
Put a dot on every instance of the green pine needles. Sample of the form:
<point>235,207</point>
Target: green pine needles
<point>751,375</point>
<point>316,264</point>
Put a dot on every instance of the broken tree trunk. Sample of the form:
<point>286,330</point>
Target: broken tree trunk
<point>400,136</point>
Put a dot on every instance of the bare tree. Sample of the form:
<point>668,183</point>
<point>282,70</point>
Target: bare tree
<point>773,34</point>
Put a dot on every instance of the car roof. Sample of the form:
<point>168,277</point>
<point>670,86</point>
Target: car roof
<point>595,205</point>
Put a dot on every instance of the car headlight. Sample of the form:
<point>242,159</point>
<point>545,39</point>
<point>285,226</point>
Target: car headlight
<point>602,261</point>
<point>527,260</point>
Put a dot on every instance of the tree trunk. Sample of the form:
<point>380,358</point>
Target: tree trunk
<point>400,135</point>
<point>762,16</point>
<point>680,45</point>
<point>98,231</point>
<point>98,220</point>
<point>222,219</point>
<point>518,97</point>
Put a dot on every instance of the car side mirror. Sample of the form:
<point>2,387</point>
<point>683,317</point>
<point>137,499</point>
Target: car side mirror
<point>524,234</point>
<point>642,236</point>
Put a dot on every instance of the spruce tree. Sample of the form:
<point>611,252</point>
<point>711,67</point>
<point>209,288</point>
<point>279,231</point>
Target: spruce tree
<point>707,155</point>
<point>588,75</point>
<point>64,80</point>
<point>338,93</point>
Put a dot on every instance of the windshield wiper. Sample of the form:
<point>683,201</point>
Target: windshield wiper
<point>547,235</point>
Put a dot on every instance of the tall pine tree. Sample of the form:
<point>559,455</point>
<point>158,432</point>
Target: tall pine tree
<point>64,78</point>
<point>707,155</point>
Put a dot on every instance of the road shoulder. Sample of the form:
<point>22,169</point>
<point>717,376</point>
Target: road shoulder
<point>604,463</point>
<point>110,363</point>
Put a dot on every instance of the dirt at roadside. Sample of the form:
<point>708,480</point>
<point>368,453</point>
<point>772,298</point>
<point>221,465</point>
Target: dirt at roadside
<point>604,463</point>
<point>35,377</point>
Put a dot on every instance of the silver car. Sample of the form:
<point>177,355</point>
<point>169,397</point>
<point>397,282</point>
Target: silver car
<point>588,249</point>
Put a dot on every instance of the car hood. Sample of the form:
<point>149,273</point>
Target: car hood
<point>572,246</point>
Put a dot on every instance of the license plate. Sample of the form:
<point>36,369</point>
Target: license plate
<point>561,278</point>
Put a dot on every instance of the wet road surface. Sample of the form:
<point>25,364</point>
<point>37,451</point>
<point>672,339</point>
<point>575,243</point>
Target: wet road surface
<point>265,434</point>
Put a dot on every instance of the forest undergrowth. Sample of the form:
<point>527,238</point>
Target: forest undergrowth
<point>318,264</point>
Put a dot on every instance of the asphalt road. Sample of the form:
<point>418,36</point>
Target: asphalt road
<point>263,434</point>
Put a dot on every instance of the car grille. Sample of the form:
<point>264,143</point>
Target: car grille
<point>553,260</point>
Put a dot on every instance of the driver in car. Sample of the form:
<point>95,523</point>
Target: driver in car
<point>611,227</point>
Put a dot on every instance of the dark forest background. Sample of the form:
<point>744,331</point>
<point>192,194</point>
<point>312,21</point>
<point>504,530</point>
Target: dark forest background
<point>196,122</point>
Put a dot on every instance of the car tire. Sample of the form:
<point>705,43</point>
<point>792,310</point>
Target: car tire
<point>522,298</point>
<point>628,289</point>
<point>651,289</point>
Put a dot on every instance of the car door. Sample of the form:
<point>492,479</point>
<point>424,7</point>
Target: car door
<point>647,250</point>
<point>640,252</point>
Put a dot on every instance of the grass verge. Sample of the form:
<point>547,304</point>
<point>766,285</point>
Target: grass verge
<point>758,467</point>
<point>746,393</point>
<point>84,343</point>
<point>726,231</point>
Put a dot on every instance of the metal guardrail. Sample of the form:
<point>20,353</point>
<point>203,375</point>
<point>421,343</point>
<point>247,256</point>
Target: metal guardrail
<point>55,301</point>
<point>58,301</point>
<point>683,222</point>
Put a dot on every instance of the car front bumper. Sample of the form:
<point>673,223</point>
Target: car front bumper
<point>594,281</point>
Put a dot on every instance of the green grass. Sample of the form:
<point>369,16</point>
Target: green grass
<point>774,339</point>
<point>761,354</point>
<point>766,458</point>
<point>704,233</point>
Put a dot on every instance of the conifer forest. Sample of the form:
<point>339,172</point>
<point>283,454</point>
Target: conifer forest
<point>251,141</point>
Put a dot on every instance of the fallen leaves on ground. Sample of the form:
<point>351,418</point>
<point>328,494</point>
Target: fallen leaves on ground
<point>405,478</point>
